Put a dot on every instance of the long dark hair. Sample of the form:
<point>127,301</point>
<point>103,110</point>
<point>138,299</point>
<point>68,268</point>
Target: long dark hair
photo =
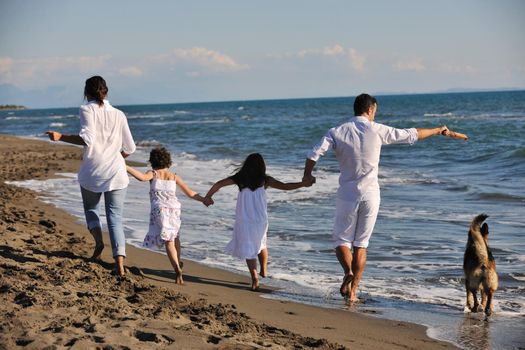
<point>96,89</point>
<point>252,173</point>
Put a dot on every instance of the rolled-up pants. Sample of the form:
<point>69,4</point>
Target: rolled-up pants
<point>114,202</point>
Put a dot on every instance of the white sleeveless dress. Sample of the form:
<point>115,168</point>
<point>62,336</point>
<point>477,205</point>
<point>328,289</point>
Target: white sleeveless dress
<point>164,221</point>
<point>251,224</point>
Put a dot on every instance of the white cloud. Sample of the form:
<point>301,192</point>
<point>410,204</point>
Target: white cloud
<point>201,57</point>
<point>47,71</point>
<point>447,67</point>
<point>5,67</point>
<point>31,72</point>
<point>414,64</point>
<point>357,60</point>
<point>131,71</point>
<point>336,52</point>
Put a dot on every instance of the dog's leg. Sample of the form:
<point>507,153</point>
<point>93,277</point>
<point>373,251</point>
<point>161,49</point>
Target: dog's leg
<point>470,299</point>
<point>483,297</point>
<point>476,306</point>
<point>488,307</point>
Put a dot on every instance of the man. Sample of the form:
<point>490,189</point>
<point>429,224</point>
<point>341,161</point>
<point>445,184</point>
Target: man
<point>357,145</point>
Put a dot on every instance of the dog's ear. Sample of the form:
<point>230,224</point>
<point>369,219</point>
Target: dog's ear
<point>485,230</point>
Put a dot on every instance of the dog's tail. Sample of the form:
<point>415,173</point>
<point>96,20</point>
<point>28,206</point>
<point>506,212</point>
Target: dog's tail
<point>475,225</point>
<point>476,230</point>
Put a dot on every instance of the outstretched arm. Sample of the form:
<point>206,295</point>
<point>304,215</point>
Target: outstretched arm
<point>424,133</point>
<point>286,186</point>
<point>74,139</point>
<point>188,191</point>
<point>218,185</point>
<point>138,175</point>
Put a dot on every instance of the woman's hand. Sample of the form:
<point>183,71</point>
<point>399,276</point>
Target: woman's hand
<point>53,135</point>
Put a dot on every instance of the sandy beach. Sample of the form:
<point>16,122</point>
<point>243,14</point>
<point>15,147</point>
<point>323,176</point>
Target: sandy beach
<point>53,296</point>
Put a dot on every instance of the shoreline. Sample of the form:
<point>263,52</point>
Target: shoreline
<point>246,318</point>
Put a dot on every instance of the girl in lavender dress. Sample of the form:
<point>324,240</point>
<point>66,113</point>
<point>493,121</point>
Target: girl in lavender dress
<point>251,218</point>
<point>164,222</point>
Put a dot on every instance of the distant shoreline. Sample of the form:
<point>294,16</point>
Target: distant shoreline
<point>11,107</point>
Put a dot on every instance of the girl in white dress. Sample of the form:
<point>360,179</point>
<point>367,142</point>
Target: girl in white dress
<point>164,222</point>
<point>251,218</point>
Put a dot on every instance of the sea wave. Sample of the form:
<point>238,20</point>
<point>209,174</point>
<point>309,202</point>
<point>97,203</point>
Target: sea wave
<point>57,125</point>
<point>500,197</point>
<point>190,122</point>
<point>63,116</point>
<point>449,114</point>
<point>148,143</point>
<point>519,153</point>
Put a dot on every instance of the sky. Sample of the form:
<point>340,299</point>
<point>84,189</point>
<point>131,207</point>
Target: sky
<point>163,51</point>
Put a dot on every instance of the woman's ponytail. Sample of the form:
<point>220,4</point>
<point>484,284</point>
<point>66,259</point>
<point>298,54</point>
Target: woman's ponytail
<point>96,89</point>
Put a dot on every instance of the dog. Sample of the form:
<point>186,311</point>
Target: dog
<point>479,267</point>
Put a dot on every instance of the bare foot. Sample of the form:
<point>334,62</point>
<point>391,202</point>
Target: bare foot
<point>178,276</point>
<point>119,271</point>
<point>352,298</point>
<point>345,286</point>
<point>99,247</point>
<point>353,301</point>
<point>263,273</point>
<point>255,284</point>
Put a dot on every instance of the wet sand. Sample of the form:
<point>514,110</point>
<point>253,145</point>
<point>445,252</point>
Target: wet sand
<point>51,294</point>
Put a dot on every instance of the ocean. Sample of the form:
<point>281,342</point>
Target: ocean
<point>430,192</point>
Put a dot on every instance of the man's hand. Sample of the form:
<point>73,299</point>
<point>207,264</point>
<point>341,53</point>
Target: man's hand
<point>443,130</point>
<point>53,135</point>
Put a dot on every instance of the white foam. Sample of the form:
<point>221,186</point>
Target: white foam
<point>190,122</point>
<point>449,114</point>
<point>57,125</point>
<point>205,232</point>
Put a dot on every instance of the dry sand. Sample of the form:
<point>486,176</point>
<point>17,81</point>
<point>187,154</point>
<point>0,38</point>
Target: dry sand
<point>52,296</point>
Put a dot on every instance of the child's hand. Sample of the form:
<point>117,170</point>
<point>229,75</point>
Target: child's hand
<point>207,201</point>
<point>308,181</point>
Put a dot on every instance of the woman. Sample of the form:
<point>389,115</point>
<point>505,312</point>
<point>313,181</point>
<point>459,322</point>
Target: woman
<point>107,140</point>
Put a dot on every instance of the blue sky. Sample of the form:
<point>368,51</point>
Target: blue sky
<point>190,51</point>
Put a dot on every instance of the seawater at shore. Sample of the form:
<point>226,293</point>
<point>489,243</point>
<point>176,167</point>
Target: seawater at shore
<point>442,311</point>
<point>51,295</point>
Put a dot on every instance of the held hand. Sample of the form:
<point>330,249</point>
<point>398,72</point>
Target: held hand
<point>443,130</point>
<point>308,180</point>
<point>53,135</point>
<point>207,201</point>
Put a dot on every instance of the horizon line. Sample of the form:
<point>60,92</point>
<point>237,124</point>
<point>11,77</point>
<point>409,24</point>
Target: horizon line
<point>380,93</point>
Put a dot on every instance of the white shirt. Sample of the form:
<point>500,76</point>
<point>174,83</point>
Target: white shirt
<point>106,133</point>
<point>357,145</point>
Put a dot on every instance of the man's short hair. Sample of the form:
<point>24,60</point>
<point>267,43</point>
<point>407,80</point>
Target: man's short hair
<point>363,103</point>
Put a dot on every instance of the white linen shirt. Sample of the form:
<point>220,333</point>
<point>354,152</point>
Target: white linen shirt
<point>357,145</point>
<point>106,133</point>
